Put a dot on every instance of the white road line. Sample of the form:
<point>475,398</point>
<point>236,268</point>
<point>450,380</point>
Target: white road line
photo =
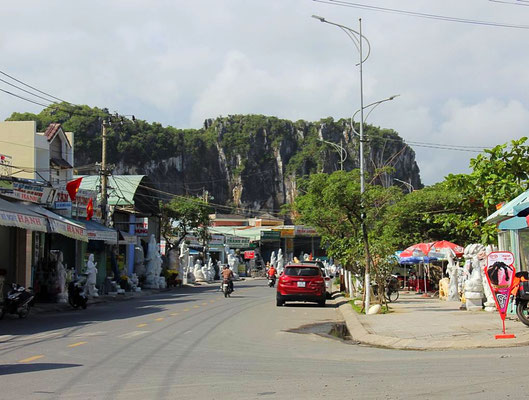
<point>133,334</point>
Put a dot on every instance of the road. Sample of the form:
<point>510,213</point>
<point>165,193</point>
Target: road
<point>192,343</point>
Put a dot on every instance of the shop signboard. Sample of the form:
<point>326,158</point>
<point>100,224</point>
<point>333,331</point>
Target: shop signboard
<point>215,241</point>
<point>77,208</point>
<point>5,165</point>
<point>107,236</point>
<point>270,236</point>
<point>237,242</point>
<point>301,230</point>
<point>287,233</point>
<point>30,192</point>
<point>249,255</point>
<point>289,245</point>
<point>500,274</point>
<point>142,227</point>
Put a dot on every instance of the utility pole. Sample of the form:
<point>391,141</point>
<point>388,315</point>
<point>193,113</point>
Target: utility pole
<point>104,175</point>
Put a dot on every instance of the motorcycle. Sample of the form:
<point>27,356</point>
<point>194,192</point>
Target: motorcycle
<point>226,288</point>
<point>521,296</point>
<point>76,296</point>
<point>18,301</point>
<point>271,280</point>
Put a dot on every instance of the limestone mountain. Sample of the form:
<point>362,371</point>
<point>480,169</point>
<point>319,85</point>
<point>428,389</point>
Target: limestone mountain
<point>249,162</point>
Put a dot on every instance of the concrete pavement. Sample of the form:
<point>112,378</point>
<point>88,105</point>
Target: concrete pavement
<point>418,323</point>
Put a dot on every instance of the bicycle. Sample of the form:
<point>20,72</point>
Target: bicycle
<point>391,294</point>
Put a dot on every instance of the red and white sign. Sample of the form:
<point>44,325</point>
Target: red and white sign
<point>142,227</point>
<point>249,255</point>
<point>500,273</point>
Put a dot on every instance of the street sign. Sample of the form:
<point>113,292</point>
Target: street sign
<point>270,236</point>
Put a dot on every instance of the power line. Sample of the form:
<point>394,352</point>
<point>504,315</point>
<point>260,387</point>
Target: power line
<point>420,15</point>
<point>517,3</point>
<point>29,86</point>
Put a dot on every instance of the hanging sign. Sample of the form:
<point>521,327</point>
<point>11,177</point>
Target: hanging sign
<point>500,276</point>
<point>249,255</point>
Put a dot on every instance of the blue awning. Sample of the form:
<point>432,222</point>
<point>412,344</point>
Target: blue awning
<point>513,223</point>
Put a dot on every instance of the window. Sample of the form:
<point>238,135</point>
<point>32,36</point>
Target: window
<point>302,271</point>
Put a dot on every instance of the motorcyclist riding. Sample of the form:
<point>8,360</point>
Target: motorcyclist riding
<point>272,272</point>
<point>227,275</point>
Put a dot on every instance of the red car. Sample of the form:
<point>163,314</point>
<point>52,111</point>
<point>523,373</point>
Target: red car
<point>301,282</point>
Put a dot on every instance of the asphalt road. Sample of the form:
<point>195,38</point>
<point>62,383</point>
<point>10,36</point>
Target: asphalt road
<point>193,343</point>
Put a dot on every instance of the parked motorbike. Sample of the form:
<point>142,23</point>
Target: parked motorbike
<point>226,288</point>
<point>521,295</point>
<point>18,301</point>
<point>271,281</point>
<point>76,296</point>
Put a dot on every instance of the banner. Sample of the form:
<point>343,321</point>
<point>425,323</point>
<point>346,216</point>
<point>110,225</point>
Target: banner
<point>237,242</point>
<point>500,273</point>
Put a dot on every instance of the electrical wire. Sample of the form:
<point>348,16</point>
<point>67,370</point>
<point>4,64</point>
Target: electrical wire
<point>420,15</point>
<point>517,3</point>
<point>25,84</point>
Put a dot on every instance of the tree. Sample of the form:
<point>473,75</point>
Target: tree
<point>497,176</point>
<point>182,216</point>
<point>333,205</point>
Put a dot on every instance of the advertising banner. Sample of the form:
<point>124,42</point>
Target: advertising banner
<point>237,242</point>
<point>249,255</point>
<point>500,273</point>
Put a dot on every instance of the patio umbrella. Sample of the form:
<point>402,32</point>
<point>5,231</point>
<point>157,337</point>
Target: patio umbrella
<point>439,249</point>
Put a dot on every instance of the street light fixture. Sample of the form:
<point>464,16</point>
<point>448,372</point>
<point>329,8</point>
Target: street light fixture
<point>358,39</point>
<point>408,185</point>
<point>340,149</point>
<point>373,105</point>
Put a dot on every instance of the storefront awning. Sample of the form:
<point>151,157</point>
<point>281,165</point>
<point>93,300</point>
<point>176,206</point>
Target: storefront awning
<point>19,215</point>
<point>97,231</point>
<point>61,225</point>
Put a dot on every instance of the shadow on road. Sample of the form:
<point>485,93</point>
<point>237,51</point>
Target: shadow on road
<point>9,369</point>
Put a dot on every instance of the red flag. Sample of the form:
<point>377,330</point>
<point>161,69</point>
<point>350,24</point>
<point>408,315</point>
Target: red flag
<point>73,187</point>
<point>89,209</point>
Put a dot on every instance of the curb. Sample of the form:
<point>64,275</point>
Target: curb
<point>360,334</point>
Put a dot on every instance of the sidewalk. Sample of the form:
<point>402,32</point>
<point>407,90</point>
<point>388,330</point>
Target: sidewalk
<point>418,323</point>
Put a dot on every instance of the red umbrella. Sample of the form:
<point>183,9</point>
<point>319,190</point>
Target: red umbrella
<point>430,249</point>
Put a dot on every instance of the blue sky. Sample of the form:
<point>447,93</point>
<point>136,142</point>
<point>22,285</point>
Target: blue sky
<point>180,62</point>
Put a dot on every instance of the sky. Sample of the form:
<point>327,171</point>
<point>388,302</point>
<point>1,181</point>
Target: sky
<point>461,86</point>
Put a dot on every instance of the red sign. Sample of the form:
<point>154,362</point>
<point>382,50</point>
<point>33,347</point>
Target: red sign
<point>249,255</point>
<point>500,276</point>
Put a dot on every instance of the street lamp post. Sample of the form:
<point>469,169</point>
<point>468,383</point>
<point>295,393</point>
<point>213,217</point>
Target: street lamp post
<point>358,40</point>
<point>407,184</point>
<point>340,149</point>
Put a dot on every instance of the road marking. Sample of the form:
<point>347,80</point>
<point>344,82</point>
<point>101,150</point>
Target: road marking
<point>174,314</point>
<point>132,334</point>
<point>212,301</point>
<point>29,359</point>
<point>196,306</point>
<point>186,309</point>
<point>204,304</point>
<point>141,325</point>
<point>77,344</point>
<point>159,319</point>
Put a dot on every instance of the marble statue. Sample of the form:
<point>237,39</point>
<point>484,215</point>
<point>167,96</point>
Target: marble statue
<point>134,283</point>
<point>453,273</point>
<point>139,259</point>
<point>60,270</point>
<point>183,262</point>
<point>473,287</point>
<point>273,259</point>
<point>233,262</point>
<point>153,265</point>
<point>280,261</point>
<point>197,271</point>
<point>91,276</point>
<point>490,304</point>
<point>210,271</point>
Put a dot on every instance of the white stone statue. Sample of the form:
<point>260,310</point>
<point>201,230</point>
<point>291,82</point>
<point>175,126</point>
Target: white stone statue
<point>134,283</point>
<point>453,273</point>
<point>210,270</point>
<point>153,265</point>
<point>139,259</point>
<point>280,262</point>
<point>91,278</point>
<point>197,271</point>
<point>60,271</point>
<point>183,262</point>
<point>490,304</point>
<point>233,262</point>
<point>273,259</point>
<point>473,286</point>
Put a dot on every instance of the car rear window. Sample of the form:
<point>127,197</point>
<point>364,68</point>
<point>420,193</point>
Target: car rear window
<point>302,271</point>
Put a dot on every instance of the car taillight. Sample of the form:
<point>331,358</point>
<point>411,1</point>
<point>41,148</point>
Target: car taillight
<point>317,282</point>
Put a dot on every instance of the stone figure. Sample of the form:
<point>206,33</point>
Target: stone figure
<point>60,270</point>
<point>134,283</point>
<point>197,271</point>
<point>280,262</point>
<point>210,270</point>
<point>91,277</point>
<point>273,259</point>
<point>153,265</point>
<point>183,262</point>
<point>139,259</point>
<point>453,273</point>
<point>233,262</point>
<point>473,287</point>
